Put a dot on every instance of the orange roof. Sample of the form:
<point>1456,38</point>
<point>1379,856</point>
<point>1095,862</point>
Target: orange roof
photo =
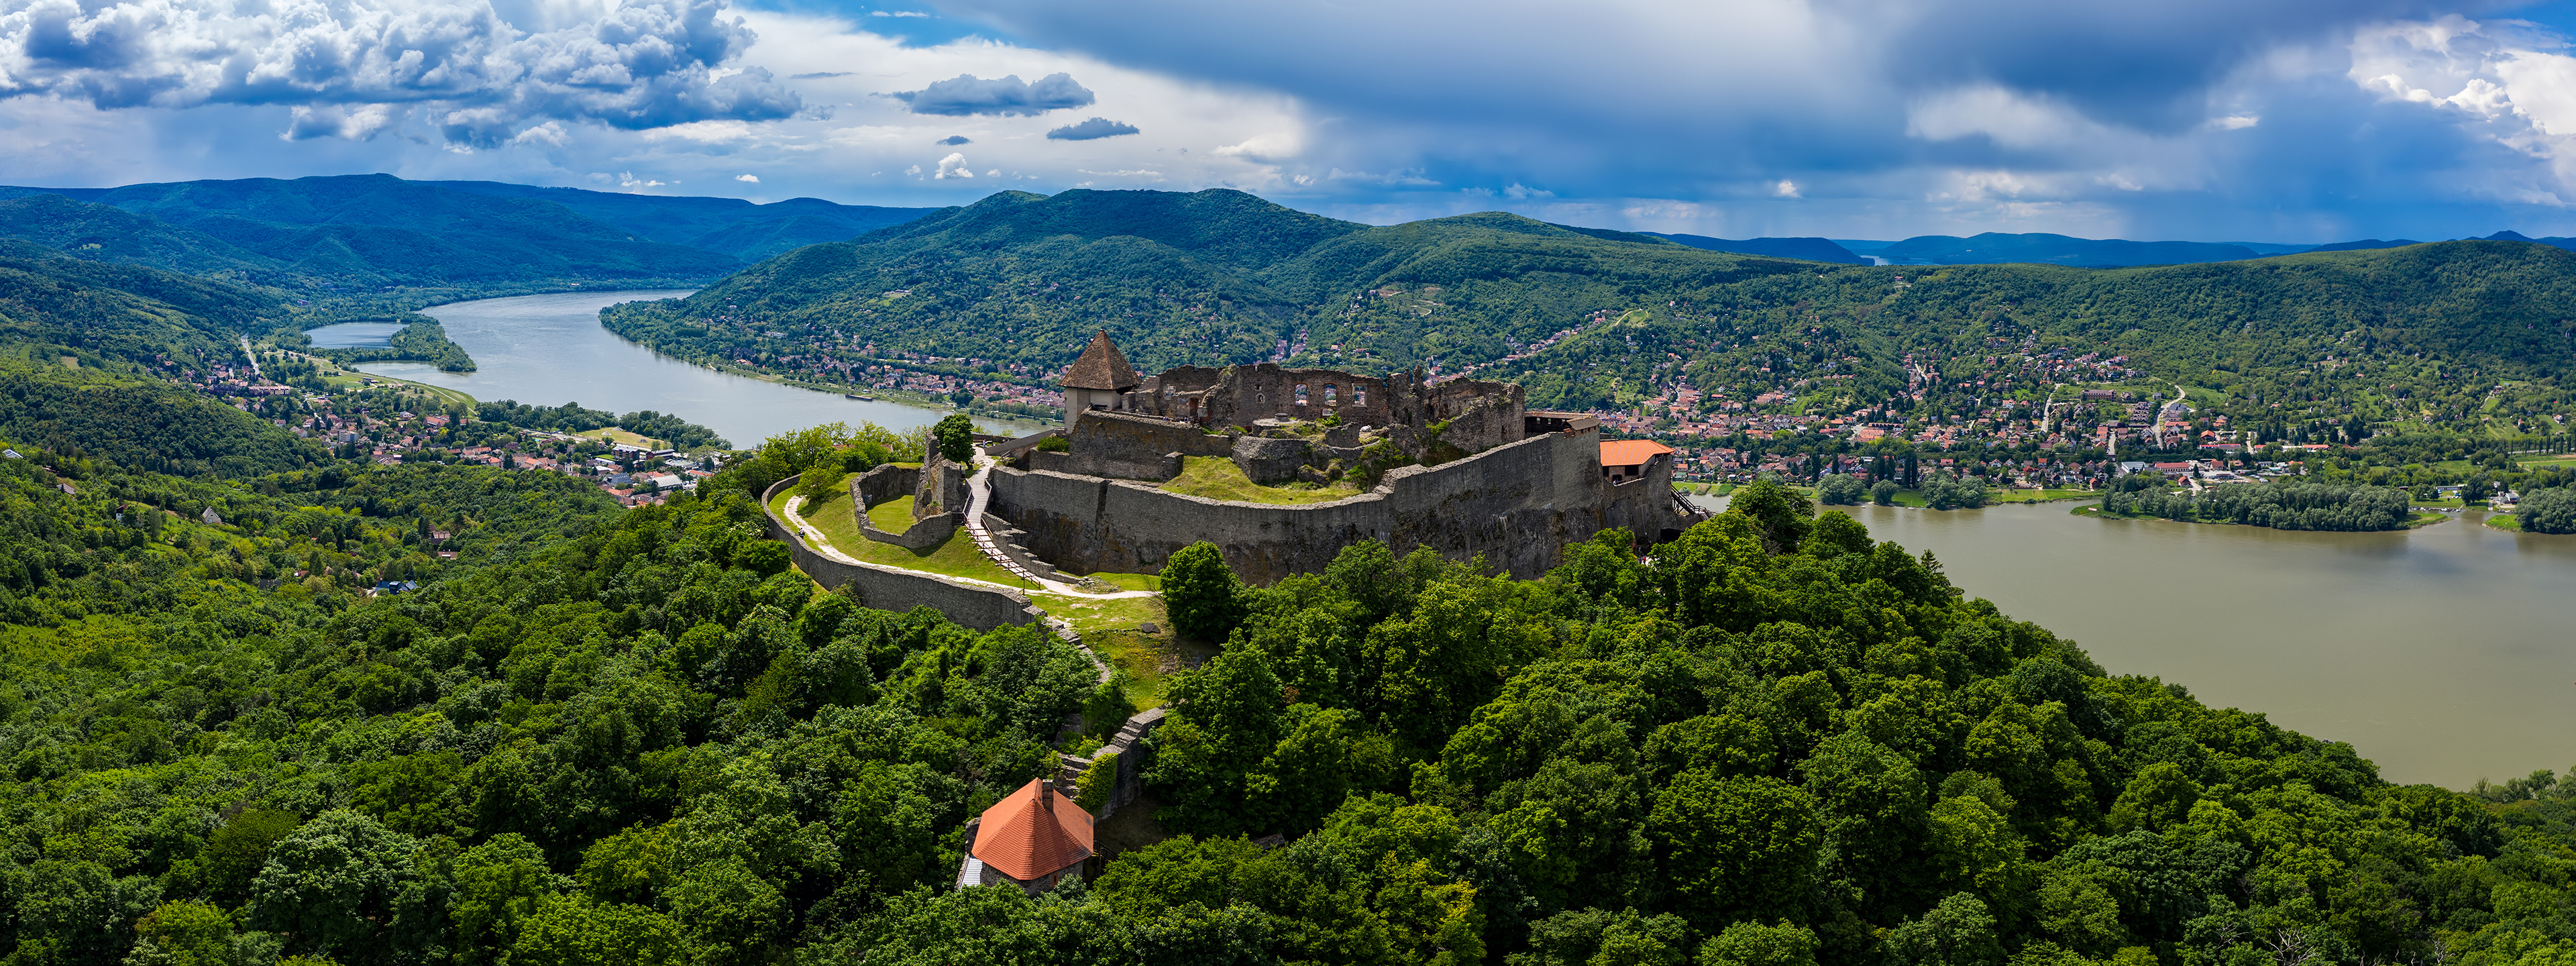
<point>1033,832</point>
<point>1631,452</point>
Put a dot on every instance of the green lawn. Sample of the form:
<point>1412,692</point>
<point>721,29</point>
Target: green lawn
<point>1132,581</point>
<point>892,516</point>
<point>2505,521</point>
<point>953,557</point>
<point>1111,629</point>
<point>1217,478</point>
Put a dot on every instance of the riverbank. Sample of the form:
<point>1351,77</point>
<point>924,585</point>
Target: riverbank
<point>2422,518</point>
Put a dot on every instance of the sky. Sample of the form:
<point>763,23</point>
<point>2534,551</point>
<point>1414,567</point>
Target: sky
<point>2293,121</point>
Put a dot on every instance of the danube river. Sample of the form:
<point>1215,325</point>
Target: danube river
<point>2442,653</point>
<point>550,349</point>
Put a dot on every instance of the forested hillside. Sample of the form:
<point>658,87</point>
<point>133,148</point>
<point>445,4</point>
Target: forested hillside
<point>637,738</point>
<point>372,231</point>
<point>2467,334</point>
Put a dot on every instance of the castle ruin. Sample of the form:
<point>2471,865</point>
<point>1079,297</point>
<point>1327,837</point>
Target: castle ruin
<point>1460,466</point>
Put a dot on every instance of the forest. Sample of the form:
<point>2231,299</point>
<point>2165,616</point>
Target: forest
<point>2287,504</point>
<point>638,737</point>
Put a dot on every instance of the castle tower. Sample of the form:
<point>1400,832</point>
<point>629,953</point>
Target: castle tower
<point>1100,379</point>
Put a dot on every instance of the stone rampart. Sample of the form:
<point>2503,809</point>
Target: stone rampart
<point>1515,505</point>
<point>888,482</point>
<point>885,588</point>
<point>927,532</point>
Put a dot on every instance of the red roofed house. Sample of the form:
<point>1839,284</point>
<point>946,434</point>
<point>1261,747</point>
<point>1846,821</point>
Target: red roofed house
<point>1625,459</point>
<point>1031,839</point>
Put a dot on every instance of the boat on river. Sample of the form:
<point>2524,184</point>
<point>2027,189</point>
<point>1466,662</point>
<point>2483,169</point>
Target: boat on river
<point>853,395</point>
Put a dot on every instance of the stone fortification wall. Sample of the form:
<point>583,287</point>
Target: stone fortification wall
<point>1645,505</point>
<point>1128,446</point>
<point>883,588</point>
<point>925,533</point>
<point>1243,394</point>
<point>1515,505</point>
<point>888,482</point>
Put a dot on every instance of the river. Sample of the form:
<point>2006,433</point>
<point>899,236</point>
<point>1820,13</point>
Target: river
<point>550,349</point>
<point>2441,653</point>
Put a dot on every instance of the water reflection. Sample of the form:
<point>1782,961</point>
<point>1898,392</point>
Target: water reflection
<point>550,350</point>
<point>2441,653</point>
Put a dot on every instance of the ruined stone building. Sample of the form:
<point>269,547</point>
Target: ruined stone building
<point>1461,467</point>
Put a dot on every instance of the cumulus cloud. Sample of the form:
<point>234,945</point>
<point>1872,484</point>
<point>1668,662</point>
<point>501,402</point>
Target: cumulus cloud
<point>350,71</point>
<point>952,166</point>
<point>1091,130</point>
<point>967,94</point>
<point>747,178</point>
<point>954,140</point>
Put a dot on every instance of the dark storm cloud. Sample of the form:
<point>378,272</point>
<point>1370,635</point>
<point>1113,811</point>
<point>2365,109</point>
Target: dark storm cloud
<point>1091,130</point>
<point>967,94</point>
<point>954,140</point>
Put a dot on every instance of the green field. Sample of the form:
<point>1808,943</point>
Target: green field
<point>1217,478</point>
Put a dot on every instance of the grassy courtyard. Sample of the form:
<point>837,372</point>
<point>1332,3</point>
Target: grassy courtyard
<point>1217,478</point>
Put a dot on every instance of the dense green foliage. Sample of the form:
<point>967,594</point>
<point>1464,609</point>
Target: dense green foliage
<point>2548,511</point>
<point>735,227</point>
<point>596,735</point>
<point>142,424</point>
<point>105,233</point>
<point>1820,755</point>
<point>1945,490</point>
<point>422,339</point>
<point>2282,505</point>
<point>2465,337</point>
<point>956,435</point>
<point>1202,596</point>
<point>376,230</point>
<point>571,417</point>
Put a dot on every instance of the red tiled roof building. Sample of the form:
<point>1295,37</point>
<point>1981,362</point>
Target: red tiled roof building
<point>1031,838</point>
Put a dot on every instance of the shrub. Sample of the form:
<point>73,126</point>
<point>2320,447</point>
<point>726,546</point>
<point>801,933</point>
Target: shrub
<point>2549,511</point>
<point>1201,593</point>
<point>1840,489</point>
<point>956,435</point>
<point>1883,492</point>
<point>1092,790</point>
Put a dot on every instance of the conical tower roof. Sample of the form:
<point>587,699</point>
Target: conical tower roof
<point>1101,367</point>
<point>1033,832</point>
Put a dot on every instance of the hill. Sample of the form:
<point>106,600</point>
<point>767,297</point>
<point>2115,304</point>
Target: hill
<point>1021,281</point>
<point>1996,248</point>
<point>106,233</point>
<point>1810,249</point>
<point>87,352</point>
<point>731,226</point>
<point>1012,287</point>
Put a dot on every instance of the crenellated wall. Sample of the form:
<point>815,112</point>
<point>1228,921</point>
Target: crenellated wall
<point>1515,505</point>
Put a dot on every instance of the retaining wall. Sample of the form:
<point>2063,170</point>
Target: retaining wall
<point>1515,505</point>
<point>884,588</point>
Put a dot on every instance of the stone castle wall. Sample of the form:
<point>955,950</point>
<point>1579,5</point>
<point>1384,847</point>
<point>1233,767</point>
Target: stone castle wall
<point>981,608</point>
<point>1515,505</point>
